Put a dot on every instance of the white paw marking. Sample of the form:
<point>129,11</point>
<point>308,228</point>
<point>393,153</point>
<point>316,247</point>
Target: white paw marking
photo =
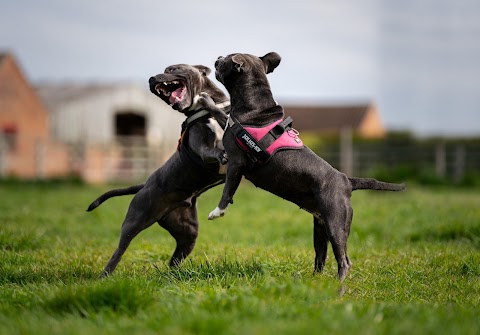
<point>218,131</point>
<point>216,213</point>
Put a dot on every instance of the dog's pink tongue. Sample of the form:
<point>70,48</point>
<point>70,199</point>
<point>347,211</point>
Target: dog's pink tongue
<point>176,96</point>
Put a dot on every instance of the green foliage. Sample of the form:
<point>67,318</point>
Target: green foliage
<point>416,267</point>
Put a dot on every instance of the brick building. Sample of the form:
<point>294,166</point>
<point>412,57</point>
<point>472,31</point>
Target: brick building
<point>24,134</point>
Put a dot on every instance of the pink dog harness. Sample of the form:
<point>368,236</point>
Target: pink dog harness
<point>262,143</point>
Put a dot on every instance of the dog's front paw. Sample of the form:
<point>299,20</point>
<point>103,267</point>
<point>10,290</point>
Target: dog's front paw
<point>216,213</point>
<point>205,100</point>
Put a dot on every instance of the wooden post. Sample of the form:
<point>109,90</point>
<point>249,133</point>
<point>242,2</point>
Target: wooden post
<point>459,167</point>
<point>40,152</point>
<point>346,151</point>
<point>440,159</point>
<point>3,156</point>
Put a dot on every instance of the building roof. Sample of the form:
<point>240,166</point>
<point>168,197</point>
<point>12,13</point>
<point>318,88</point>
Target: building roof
<point>327,117</point>
<point>54,95</point>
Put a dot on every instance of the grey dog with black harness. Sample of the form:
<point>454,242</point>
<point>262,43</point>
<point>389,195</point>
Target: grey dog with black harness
<point>170,194</point>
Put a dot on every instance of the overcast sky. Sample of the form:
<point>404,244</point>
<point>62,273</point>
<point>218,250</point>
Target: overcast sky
<point>419,61</point>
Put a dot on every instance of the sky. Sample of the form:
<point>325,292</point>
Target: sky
<point>418,61</point>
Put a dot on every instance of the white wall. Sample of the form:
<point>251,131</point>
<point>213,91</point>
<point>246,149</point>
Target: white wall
<point>91,118</point>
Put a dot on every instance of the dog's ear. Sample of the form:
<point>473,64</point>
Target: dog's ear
<point>239,62</point>
<point>203,69</point>
<point>271,61</point>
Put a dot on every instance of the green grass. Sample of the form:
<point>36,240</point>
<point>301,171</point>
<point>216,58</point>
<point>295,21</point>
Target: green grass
<point>416,259</point>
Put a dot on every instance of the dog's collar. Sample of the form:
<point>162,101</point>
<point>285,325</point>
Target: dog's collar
<point>196,115</point>
<point>223,104</point>
<point>202,112</point>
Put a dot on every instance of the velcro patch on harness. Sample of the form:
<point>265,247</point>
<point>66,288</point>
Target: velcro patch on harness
<point>248,143</point>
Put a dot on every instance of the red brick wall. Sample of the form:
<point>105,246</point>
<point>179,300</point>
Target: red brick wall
<point>22,116</point>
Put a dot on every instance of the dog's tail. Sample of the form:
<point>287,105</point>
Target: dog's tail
<point>114,193</point>
<point>373,184</point>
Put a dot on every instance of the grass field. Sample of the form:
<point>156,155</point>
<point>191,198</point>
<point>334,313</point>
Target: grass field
<point>416,267</point>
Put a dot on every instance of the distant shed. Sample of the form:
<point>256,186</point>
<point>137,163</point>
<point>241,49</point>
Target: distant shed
<point>121,132</point>
<point>362,118</point>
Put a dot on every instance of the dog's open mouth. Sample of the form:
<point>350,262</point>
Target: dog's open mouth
<point>174,91</point>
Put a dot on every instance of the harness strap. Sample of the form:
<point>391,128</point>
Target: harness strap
<point>196,116</point>
<point>222,105</point>
<point>276,132</point>
<point>254,150</point>
<point>200,114</point>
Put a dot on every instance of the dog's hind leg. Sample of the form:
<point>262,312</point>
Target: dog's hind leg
<point>133,224</point>
<point>320,243</point>
<point>337,213</point>
<point>348,224</point>
<point>182,224</point>
<point>130,229</point>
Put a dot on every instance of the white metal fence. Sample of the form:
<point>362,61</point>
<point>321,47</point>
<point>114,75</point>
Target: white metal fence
<point>127,159</point>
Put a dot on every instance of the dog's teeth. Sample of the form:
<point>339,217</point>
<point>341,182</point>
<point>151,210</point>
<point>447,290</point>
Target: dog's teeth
<point>175,82</point>
<point>157,88</point>
<point>165,83</point>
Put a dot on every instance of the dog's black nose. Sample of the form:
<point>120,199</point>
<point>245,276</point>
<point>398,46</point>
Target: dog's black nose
<point>218,60</point>
<point>152,80</point>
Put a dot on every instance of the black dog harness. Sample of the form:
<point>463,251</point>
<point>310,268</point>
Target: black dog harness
<point>183,146</point>
<point>195,116</point>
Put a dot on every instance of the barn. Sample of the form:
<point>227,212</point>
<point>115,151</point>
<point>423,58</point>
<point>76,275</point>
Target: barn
<point>117,132</point>
<point>105,113</point>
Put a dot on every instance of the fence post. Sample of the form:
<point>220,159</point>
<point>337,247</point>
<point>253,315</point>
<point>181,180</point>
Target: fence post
<point>346,151</point>
<point>40,152</point>
<point>440,159</point>
<point>459,164</point>
<point>3,156</point>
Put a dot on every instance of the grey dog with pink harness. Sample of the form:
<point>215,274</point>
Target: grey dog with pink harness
<point>261,143</point>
